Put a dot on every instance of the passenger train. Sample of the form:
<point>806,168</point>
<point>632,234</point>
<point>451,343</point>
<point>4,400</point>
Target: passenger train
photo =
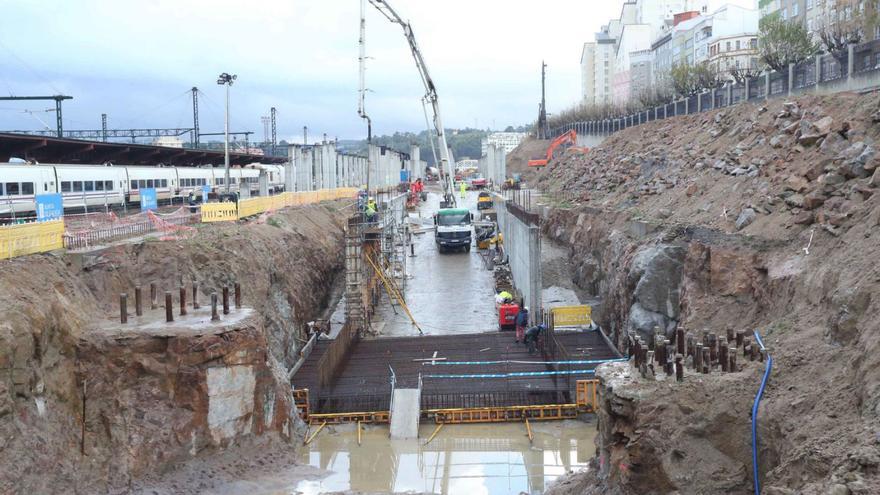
<point>85,186</point>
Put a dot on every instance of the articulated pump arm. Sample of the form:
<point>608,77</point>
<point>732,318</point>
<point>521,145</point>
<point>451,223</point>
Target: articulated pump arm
<point>430,95</point>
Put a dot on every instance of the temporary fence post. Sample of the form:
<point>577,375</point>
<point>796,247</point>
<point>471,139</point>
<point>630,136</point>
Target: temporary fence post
<point>237,295</point>
<point>195,295</point>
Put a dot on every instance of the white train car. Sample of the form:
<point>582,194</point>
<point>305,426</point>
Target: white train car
<point>191,179</point>
<point>19,183</point>
<point>85,186</point>
<point>96,186</point>
<point>163,179</point>
<point>276,177</point>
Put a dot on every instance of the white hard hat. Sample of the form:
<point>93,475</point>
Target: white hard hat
<point>525,308</point>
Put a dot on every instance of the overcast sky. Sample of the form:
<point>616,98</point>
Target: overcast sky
<point>137,60</point>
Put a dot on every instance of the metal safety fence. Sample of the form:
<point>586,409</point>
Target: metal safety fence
<point>852,69</point>
<point>88,230</point>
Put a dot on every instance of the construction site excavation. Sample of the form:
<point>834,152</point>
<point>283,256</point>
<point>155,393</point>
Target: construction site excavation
<point>671,287</point>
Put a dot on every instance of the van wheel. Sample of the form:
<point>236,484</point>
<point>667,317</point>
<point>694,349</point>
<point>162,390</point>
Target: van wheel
<point>467,248</point>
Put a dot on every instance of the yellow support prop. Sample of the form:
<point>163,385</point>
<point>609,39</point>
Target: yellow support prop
<point>359,433</point>
<point>436,431</point>
<point>529,430</point>
<point>390,287</point>
<point>313,435</point>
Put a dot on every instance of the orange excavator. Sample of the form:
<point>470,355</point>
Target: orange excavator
<point>569,139</point>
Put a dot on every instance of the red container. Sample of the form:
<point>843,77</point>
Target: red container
<point>507,316</point>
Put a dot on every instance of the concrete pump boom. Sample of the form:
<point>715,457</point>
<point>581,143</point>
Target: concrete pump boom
<point>430,95</point>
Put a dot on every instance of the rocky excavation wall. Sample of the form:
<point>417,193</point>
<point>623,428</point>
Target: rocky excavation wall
<point>86,408</point>
<point>666,239</point>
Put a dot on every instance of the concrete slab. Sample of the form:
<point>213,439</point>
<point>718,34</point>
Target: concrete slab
<point>405,413</point>
<point>195,322</point>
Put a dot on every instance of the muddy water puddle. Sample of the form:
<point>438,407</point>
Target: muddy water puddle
<point>468,459</point>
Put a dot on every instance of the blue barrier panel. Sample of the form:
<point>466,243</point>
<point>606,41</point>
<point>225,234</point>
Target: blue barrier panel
<point>148,199</point>
<point>49,207</point>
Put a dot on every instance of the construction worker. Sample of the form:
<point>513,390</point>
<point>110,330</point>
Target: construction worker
<point>503,297</point>
<point>532,335</point>
<point>522,321</point>
<point>462,186</point>
<point>371,210</point>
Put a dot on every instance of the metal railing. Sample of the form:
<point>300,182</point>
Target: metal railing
<point>855,68</point>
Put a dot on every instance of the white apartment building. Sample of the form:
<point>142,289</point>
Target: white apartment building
<point>641,71</point>
<point>597,68</point>
<point>606,63</point>
<point>506,140</point>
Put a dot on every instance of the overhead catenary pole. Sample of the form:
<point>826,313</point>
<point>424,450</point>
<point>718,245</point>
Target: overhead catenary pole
<point>104,127</point>
<point>59,122</point>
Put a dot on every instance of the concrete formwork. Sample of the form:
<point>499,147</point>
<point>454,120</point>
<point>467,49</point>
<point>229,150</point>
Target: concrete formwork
<point>522,244</point>
<point>493,165</point>
<point>323,166</point>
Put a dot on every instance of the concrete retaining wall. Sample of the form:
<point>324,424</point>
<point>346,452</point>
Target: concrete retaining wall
<point>522,244</point>
<point>493,165</point>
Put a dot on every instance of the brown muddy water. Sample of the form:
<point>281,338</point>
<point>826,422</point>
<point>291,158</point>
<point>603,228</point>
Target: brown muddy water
<point>469,459</point>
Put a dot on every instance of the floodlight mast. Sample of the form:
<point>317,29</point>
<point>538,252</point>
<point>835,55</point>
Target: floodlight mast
<point>430,95</point>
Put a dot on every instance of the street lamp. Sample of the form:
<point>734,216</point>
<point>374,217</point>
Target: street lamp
<point>226,80</point>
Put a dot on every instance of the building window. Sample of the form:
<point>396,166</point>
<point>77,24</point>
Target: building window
<point>737,44</point>
<point>753,43</point>
<point>809,4</point>
<point>728,47</point>
<point>794,9</point>
<point>784,13</point>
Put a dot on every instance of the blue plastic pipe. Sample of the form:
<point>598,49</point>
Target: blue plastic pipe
<point>755,415</point>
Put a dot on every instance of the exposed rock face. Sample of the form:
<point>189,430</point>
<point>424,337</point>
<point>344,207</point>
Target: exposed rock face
<point>164,399</point>
<point>656,275</point>
<point>90,411</point>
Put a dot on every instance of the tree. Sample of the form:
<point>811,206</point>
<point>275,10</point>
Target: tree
<point>783,42</point>
<point>682,79</point>
<point>689,80</point>
<point>659,93</point>
<point>847,22</point>
<point>705,77</point>
<point>741,74</point>
<point>509,129</point>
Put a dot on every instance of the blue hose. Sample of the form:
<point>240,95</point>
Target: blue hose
<point>755,415</point>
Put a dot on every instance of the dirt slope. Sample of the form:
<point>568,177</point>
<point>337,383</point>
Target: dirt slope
<point>754,217</point>
<point>85,410</point>
<point>518,159</point>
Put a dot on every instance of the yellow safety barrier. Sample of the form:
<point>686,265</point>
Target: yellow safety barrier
<point>30,238</point>
<point>586,395</point>
<point>219,212</point>
<point>253,206</point>
<point>569,316</point>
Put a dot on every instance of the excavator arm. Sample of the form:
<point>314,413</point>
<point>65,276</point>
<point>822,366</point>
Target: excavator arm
<point>569,138</point>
